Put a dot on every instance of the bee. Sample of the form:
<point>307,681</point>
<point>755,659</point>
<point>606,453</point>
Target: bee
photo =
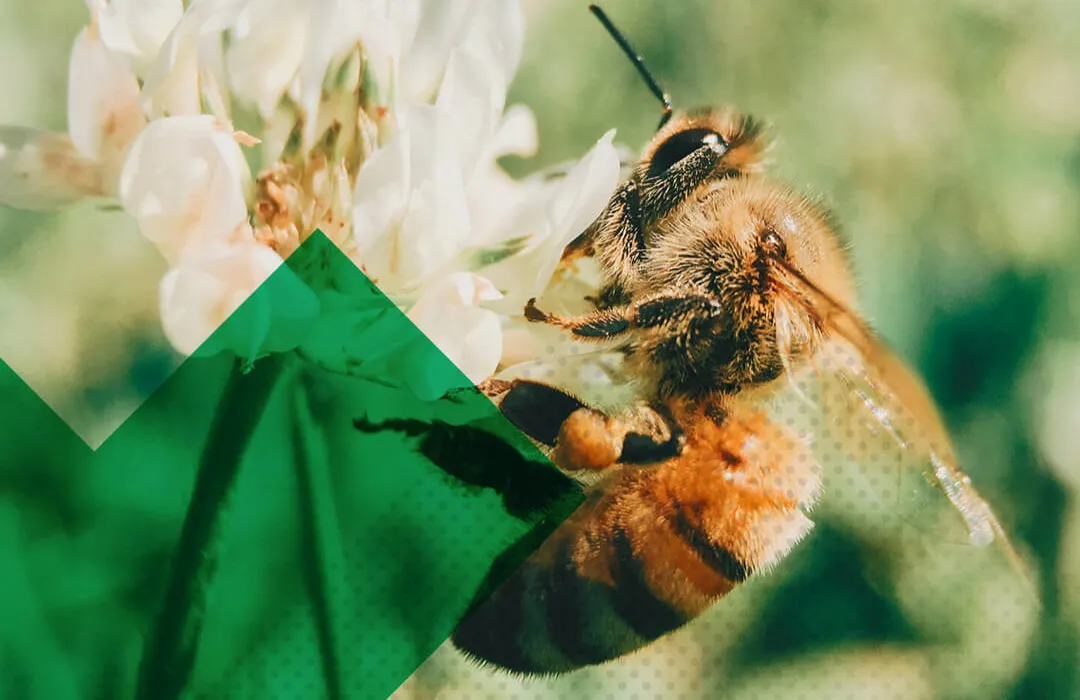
<point>721,287</point>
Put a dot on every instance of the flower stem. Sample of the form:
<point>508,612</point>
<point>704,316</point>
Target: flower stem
<point>165,672</point>
<point>319,533</point>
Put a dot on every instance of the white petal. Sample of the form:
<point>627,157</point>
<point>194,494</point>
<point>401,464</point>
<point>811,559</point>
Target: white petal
<point>382,193</point>
<point>436,224</point>
<point>500,206</point>
<point>206,289</point>
<point>498,33</point>
<point>470,337</point>
<point>183,181</point>
<point>384,34</point>
<point>171,87</point>
<point>335,28</point>
<point>516,134</point>
<point>410,216</point>
<point>172,84</point>
<point>193,303</point>
<point>218,15</point>
<point>40,170</point>
<point>471,97</point>
<point>574,203</point>
<point>103,101</point>
<point>457,289</point>
<point>578,201</point>
<point>138,28</point>
<point>265,51</point>
<point>442,26</point>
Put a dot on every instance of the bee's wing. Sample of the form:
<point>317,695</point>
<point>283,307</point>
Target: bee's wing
<point>42,170</point>
<point>869,408</point>
<point>880,414</point>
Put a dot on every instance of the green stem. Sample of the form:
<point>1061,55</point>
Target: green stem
<point>318,532</point>
<point>165,672</point>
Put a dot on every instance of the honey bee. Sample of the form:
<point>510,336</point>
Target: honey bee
<point>720,287</point>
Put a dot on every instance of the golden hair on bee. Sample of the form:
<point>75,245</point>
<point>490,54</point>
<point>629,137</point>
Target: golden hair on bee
<point>718,283</point>
<point>652,547</point>
<point>711,305</point>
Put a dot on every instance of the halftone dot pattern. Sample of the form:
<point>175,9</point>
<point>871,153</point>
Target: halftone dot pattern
<point>905,539</point>
<point>283,664</point>
<point>401,548</point>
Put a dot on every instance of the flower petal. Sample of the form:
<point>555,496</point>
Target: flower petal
<point>41,170</point>
<point>573,204</point>
<point>335,28</point>
<point>265,51</point>
<point>138,28</point>
<point>578,201</point>
<point>471,98</point>
<point>172,85</point>
<point>183,181</point>
<point>208,288</point>
<point>470,337</point>
<point>410,215</point>
<point>441,27</point>
<point>516,134</point>
<point>381,193</point>
<point>172,81</point>
<point>498,33</point>
<point>103,102</point>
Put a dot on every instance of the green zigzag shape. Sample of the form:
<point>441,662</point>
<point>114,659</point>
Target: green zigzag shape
<point>86,536</point>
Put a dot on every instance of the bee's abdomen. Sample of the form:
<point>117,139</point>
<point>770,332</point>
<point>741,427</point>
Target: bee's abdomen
<point>651,549</point>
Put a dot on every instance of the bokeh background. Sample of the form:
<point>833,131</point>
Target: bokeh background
<point>947,138</point>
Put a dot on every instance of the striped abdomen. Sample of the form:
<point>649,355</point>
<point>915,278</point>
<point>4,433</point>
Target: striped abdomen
<point>651,548</point>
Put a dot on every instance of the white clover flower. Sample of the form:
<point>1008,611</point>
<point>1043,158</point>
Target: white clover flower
<point>450,315</point>
<point>183,181</point>
<point>382,122</point>
<point>103,102</point>
<point>200,293</point>
<point>137,28</point>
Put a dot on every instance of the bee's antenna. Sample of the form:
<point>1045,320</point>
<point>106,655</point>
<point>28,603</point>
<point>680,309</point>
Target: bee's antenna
<point>638,62</point>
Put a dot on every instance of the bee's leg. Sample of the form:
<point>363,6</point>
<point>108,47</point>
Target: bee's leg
<point>580,247</point>
<point>538,409</point>
<point>660,310</point>
<point>675,310</point>
<point>598,325</point>
<point>661,192</point>
<point>592,440</point>
<point>610,296</point>
<point>492,387</point>
<point>616,238</point>
<point>664,441</point>
<point>585,438</point>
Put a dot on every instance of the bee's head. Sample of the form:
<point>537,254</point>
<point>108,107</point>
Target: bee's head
<point>738,137</point>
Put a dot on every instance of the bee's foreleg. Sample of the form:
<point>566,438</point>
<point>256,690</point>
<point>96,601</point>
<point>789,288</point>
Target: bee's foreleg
<point>613,322</point>
<point>598,325</point>
<point>676,309</point>
<point>665,186</point>
<point>617,237</point>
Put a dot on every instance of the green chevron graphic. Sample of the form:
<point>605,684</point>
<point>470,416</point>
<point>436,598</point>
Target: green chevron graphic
<point>238,537</point>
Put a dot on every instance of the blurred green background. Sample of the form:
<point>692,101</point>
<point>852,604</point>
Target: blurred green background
<point>947,138</point>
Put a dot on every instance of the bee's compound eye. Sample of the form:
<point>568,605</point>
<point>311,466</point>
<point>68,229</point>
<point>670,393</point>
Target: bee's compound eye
<point>773,244</point>
<point>681,145</point>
